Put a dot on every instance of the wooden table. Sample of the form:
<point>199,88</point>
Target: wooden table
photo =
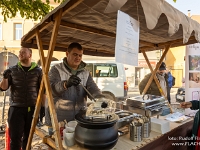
<point>156,141</point>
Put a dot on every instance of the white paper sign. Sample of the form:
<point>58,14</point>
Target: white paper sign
<point>127,40</point>
<point>192,75</point>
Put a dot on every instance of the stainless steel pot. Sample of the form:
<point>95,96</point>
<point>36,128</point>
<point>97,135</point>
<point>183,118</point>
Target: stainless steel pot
<point>136,131</point>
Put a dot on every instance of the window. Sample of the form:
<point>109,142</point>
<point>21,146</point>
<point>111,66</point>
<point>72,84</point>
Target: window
<point>17,31</point>
<point>1,31</point>
<point>103,70</point>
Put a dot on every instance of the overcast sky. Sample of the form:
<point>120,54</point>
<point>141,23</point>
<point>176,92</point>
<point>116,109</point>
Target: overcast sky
<point>185,5</point>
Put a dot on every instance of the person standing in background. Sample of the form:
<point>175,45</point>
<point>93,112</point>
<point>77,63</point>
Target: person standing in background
<point>171,82</point>
<point>153,88</point>
<point>24,81</point>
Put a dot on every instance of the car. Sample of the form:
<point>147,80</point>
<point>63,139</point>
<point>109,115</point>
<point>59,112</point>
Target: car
<point>180,95</point>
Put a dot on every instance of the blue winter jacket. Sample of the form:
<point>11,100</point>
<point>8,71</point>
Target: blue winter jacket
<point>170,80</point>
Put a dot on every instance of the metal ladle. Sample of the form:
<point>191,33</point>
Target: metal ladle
<point>103,105</point>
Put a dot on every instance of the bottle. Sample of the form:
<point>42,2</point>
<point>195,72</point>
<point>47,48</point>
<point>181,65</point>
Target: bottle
<point>61,127</point>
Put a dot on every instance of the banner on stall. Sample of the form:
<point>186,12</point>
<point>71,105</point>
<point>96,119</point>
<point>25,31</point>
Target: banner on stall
<point>192,75</point>
<point>127,40</point>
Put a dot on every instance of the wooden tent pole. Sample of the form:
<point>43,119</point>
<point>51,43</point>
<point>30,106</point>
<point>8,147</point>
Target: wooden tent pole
<point>54,119</point>
<point>53,40</point>
<point>156,80</point>
<point>154,72</point>
<point>36,113</point>
<point>48,90</point>
<point>45,80</point>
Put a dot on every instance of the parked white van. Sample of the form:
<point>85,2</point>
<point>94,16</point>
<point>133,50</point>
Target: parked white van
<point>109,76</point>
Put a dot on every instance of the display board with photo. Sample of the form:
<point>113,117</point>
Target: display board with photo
<point>194,80</point>
<point>192,75</point>
<point>194,62</point>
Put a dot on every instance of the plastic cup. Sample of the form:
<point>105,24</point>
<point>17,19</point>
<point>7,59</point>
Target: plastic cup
<point>72,124</point>
<point>68,136</point>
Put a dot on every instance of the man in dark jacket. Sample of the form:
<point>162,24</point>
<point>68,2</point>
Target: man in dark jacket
<point>153,88</point>
<point>23,80</point>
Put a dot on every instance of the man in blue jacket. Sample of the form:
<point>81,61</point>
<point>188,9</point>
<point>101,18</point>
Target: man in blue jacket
<point>171,82</point>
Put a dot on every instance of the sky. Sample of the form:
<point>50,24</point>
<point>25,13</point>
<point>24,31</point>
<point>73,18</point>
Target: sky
<point>185,5</point>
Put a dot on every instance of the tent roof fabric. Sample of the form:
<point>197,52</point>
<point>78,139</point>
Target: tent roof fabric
<point>92,23</point>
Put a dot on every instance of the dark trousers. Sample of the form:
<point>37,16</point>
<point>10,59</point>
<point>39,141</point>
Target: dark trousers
<point>168,95</point>
<point>42,114</point>
<point>19,120</point>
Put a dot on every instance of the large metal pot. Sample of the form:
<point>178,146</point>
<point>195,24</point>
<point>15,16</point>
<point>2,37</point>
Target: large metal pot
<point>96,133</point>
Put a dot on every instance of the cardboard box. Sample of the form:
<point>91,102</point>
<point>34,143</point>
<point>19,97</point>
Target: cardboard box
<point>160,125</point>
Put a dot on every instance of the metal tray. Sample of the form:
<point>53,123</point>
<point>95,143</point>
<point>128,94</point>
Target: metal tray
<point>145,102</point>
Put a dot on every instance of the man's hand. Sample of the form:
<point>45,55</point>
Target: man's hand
<point>73,81</point>
<point>186,104</point>
<point>6,73</point>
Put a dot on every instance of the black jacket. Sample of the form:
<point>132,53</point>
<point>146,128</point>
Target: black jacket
<point>24,86</point>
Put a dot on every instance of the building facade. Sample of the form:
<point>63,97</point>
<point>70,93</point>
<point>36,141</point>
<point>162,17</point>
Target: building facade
<point>12,31</point>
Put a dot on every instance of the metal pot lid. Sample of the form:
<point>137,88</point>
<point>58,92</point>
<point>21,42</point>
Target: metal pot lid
<point>81,118</point>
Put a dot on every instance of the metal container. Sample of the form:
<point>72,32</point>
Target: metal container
<point>146,126</point>
<point>151,105</point>
<point>136,131</point>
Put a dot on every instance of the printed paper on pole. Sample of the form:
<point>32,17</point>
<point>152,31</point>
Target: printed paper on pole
<point>127,40</point>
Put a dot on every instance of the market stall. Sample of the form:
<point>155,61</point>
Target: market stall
<point>93,25</point>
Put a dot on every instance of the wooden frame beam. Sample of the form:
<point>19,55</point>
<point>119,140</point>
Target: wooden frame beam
<point>176,41</point>
<point>45,139</point>
<point>52,43</point>
<point>36,113</point>
<point>45,80</point>
<point>40,28</point>
<point>85,47</point>
<point>162,45</point>
<point>155,78</point>
<point>96,31</point>
<point>70,5</point>
<point>47,83</point>
<point>154,72</point>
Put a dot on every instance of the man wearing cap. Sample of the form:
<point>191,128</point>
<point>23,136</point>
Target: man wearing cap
<point>153,88</point>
